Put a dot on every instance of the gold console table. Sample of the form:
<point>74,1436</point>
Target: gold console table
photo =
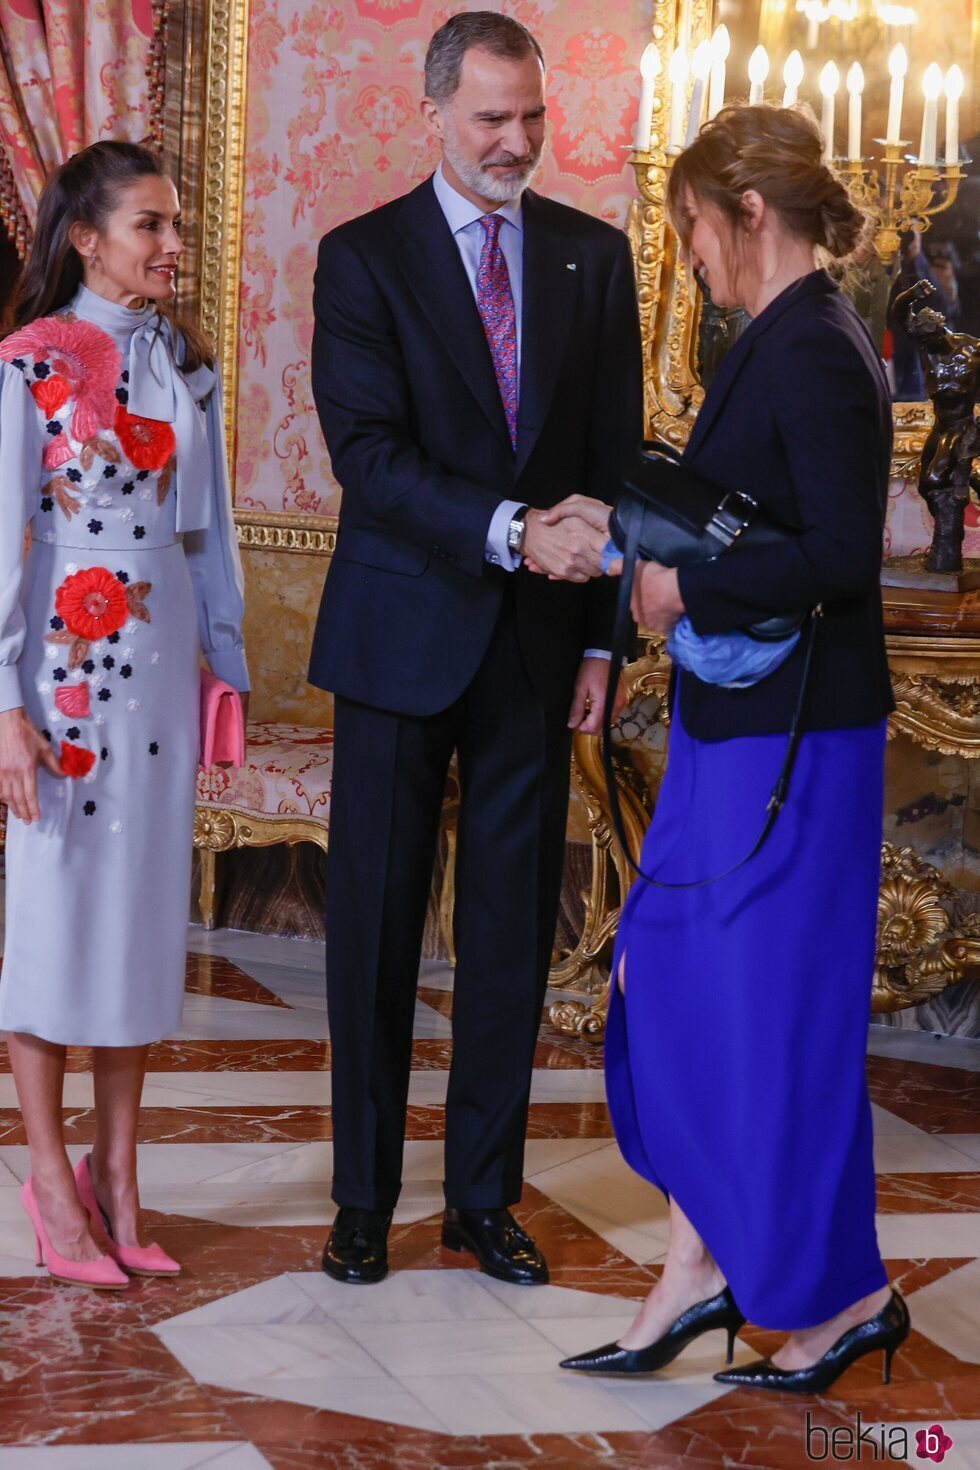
<point>927,938</point>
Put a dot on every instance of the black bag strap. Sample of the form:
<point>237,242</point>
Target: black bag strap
<point>780,791</point>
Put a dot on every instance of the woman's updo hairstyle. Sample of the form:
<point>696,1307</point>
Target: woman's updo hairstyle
<point>777,151</point>
<point>86,188</point>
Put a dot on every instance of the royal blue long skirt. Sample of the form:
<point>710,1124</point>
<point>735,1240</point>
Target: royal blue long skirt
<point>735,1062</point>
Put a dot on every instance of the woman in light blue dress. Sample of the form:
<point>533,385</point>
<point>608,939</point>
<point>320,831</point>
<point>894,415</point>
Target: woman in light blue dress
<point>112,454</point>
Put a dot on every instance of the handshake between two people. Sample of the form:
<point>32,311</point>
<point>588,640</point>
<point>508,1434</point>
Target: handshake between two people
<point>566,544</point>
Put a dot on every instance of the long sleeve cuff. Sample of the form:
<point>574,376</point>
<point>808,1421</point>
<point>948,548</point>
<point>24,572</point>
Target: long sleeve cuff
<point>597,653</point>
<point>229,664</point>
<point>10,695</point>
<point>498,552</point>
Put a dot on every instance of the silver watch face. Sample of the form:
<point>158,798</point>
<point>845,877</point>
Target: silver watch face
<point>515,535</point>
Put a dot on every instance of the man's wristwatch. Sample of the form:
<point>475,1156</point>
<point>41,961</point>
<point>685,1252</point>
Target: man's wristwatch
<point>515,532</point>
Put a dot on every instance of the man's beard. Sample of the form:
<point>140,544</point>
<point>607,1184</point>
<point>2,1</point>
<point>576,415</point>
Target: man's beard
<point>489,181</point>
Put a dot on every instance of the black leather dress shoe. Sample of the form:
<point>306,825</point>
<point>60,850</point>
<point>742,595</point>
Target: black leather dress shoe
<point>357,1249</point>
<point>886,1330</point>
<point>501,1248</point>
<point>707,1316</point>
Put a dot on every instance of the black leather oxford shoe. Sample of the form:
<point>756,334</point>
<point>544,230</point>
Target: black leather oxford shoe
<point>500,1245</point>
<point>716,1312</point>
<point>886,1330</point>
<point>357,1249</point>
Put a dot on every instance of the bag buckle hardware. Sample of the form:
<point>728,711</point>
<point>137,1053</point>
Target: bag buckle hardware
<point>731,517</point>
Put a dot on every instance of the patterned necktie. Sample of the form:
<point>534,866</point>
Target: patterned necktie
<point>495,304</point>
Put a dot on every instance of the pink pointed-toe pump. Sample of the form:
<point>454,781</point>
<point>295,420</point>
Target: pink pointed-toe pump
<point>102,1275</point>
<point>138,1260</point>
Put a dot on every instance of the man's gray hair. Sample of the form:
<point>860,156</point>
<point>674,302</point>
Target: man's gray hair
<point>501,35</point>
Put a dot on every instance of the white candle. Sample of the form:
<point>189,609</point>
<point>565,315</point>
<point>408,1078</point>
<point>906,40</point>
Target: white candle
<point>812,33</point>
<point>898,65</point>
<point>953,88</point>
<point>792,77</point>
<point>700,66</point>
<point>855,86</point>
<point>677,73</point>
<point>829,85</point>
<point>932,85</point>
<point>649,70</point>
<point>721,45</point>
<point>758,71</point>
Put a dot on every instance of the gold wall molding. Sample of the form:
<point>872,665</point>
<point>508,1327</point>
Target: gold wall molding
<point>267,530</point>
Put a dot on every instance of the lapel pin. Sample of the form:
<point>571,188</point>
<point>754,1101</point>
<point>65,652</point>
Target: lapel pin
<point>571,266</point>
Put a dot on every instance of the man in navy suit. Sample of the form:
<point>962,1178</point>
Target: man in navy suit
<point>476,360</point>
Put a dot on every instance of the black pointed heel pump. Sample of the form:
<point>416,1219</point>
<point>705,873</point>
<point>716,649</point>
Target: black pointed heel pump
<point>885,1331</point>
<point>717,1312</point>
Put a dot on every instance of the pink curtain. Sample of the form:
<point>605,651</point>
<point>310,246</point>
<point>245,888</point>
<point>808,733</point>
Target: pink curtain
<point>71,72</point>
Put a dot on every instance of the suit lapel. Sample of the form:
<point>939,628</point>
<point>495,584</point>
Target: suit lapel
<point>550,287</point>
<point>722,384</point>
<point>431,263</point>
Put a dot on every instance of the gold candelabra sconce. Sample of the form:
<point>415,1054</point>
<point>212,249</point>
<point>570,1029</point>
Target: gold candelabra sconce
<point>900,194</point>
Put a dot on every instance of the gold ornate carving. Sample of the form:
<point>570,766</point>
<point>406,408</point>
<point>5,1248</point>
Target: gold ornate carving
<point>219,829</point>
<point>938,713</point>
<point>925,941</point>
<point>224,159</point>
<point>263,530</point>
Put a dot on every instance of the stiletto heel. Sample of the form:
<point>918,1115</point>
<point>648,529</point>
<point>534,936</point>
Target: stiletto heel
<point>887,1329</point>
<point>138,1260</point>
<point>103,1274</point>
<point>38,1249</point>
<point>718,1311</point>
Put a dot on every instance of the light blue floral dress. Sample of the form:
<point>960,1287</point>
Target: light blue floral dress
<point>115,460</point>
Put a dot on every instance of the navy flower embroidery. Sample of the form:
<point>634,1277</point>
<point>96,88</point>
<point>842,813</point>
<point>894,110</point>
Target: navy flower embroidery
<point>108,472</point>
<point>122,577</point>
<point>126,671</point>
<point>88,667</point>
<point>154,748</point>
<point>53,428</point>
<point>89,808</point>
<point>95,527</point>
<point>139,532</point>
<point>143,475</point>
<point>122,395</point>
<point>128,488</point>
<point>47,503</point>
<point>58,675</point>
<point>42,370</point>
<point>104,694</point>
<point>103,753</point>
<point>108,662</point>
<point>112,638</point>
<point>125,375</point>
<point>74,476</point>
<point>73,732</point>
<point>57,623</point>
<point>18,362</point>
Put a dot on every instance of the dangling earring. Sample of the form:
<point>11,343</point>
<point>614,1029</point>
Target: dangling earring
<point>93,260</point>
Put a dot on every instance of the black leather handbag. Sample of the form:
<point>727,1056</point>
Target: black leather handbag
<point>669,514</point>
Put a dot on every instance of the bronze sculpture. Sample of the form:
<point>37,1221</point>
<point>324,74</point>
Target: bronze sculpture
<point>951,365</point>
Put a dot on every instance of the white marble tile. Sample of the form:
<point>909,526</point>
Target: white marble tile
<point>242,948</point>
<point>405,1296</point>
<point>948,1312</point>
<point>886,1122</point>
<point>280,1301</point>
<point>929,1153</point>
<point>224,1355</point>
<point>409,1350</point>
<point>925,1046</point>
<point>215,1018</point>
<point>390,1402</point>
<point>602,1191</point>
<point>912,1237</point>
<point>201,1456</point>
<point>966,1143</point>
<point>512,1403</point>
<point>557,1302</point>
<point>436,974</point>
<point>662,1400</point>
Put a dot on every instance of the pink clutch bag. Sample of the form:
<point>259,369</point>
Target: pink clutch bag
<point>222,724</point>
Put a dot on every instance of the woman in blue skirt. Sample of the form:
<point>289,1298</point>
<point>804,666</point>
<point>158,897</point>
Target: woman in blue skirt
<point>737,1030</point>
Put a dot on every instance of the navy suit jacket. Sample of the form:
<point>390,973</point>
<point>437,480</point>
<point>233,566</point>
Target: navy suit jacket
<point>411,413</point>
<point>799,416</point>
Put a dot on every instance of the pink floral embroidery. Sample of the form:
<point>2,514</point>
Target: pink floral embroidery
<point>56,453</point>
<point>73,700</point>
<point>84,356</point>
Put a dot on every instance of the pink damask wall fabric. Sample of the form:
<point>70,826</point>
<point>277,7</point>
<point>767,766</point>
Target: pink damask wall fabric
<point>71,72</point>
<point>333,130</point>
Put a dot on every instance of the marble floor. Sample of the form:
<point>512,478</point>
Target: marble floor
<point>254,1359</point>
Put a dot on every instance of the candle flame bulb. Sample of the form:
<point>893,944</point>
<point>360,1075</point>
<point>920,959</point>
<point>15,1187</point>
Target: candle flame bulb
<point>954,84</point>
<point>855,78</point>
<point>792,77</point>
<point>721,43</point>
<point>898,61</point>
<point>758,71</point>
<point>701,62</point>
<point>932,82</point>
<point>650,62</point>
<point>830,80</point>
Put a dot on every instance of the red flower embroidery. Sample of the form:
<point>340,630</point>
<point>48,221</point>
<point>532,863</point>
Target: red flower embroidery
<point>81,355</point>
<point>147,443</point>
<point>76,761</point>
<point>73,700</point>
<point>57,452</point>
<point>50,394</point>
<point>92,603</point>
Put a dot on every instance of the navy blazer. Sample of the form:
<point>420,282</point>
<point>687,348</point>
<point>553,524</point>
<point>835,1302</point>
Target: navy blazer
<point>798,415</point>
<point>411,413</point>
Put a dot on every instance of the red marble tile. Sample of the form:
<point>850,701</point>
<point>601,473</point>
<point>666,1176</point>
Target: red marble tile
<point>936,1099</point>
<point>214,975</point>
<point>900,1194</point>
